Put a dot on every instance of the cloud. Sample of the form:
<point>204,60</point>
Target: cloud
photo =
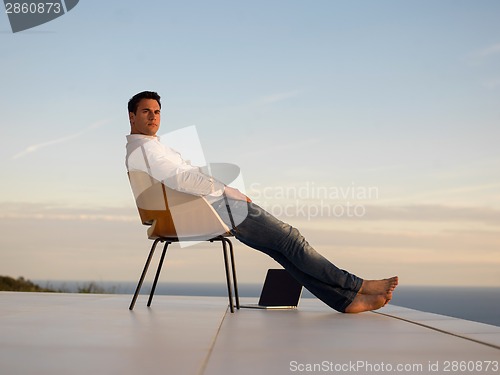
<point>278,97</point>
<point>478,56</point>
<point>38,146</point>
<point>476,245</point>
<point>492,83</point>
<point>324,210</point>
<point>489,51</point>
<point>38,211</point>
<point>275,149</point>
<point>434,213</point>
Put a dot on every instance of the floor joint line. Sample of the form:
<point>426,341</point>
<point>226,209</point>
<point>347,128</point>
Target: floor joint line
<point>204,364</point>
<point>440,330</point>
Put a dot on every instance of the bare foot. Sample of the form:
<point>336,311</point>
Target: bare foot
<point>368,302</point>
<point>389,297</point>
<point>375,287</point>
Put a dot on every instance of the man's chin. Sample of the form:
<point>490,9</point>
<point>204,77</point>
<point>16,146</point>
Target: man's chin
<point>153,130</point>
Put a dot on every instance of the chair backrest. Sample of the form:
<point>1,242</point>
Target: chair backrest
<point>173,214</point>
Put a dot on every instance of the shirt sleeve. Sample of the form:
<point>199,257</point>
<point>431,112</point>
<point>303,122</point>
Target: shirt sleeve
<point>167,166</point>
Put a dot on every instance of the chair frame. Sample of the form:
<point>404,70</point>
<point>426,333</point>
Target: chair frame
<point>154,205</point>
<point>228,263</point>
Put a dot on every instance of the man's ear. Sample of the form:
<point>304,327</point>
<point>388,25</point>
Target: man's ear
<point>131,117</point>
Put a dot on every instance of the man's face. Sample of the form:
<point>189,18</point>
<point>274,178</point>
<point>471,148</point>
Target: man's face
<point>146,120</point>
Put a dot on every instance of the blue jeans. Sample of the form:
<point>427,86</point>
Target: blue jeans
<point>262,231</point>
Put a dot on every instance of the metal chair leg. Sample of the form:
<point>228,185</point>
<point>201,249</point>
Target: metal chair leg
<point>233,269</point>
<point>228,279</point>
<point>144,271</point>
<point>160,265</point>
<point>224,241</point>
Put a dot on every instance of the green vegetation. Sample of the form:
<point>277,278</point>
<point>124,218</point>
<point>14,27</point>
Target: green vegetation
<point>92,288</point>
<point>20,285</point>
<point>23,285</point>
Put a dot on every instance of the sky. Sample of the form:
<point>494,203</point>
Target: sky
<point>372,126</point>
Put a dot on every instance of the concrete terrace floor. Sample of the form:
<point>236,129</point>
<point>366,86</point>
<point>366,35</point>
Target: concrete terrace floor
<point>66,334</point>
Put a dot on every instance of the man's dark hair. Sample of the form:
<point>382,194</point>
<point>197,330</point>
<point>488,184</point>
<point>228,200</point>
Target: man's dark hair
<point>133,103</point>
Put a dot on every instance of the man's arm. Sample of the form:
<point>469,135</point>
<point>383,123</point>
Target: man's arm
<point>233,193</point>
<point>150,156</point>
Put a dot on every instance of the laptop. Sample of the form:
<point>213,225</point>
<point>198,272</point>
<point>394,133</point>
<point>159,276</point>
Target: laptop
<point>280,291</point>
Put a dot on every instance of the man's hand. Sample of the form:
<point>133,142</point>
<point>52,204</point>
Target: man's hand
<point>233,193</point>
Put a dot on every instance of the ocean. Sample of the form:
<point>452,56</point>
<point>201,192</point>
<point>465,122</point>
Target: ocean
<point>480,304</point>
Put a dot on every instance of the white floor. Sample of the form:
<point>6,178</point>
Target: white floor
<point>66,334</point>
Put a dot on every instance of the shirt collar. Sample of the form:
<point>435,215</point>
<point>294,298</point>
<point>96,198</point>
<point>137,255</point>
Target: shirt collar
<point>135,137</point>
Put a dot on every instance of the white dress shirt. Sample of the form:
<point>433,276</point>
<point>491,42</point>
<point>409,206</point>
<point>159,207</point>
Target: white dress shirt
<point>146,153</point>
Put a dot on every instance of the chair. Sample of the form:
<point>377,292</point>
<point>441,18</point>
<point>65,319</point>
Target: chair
<point>173,216</point>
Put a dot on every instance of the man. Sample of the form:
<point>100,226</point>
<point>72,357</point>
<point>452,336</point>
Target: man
<point>254,227</point>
